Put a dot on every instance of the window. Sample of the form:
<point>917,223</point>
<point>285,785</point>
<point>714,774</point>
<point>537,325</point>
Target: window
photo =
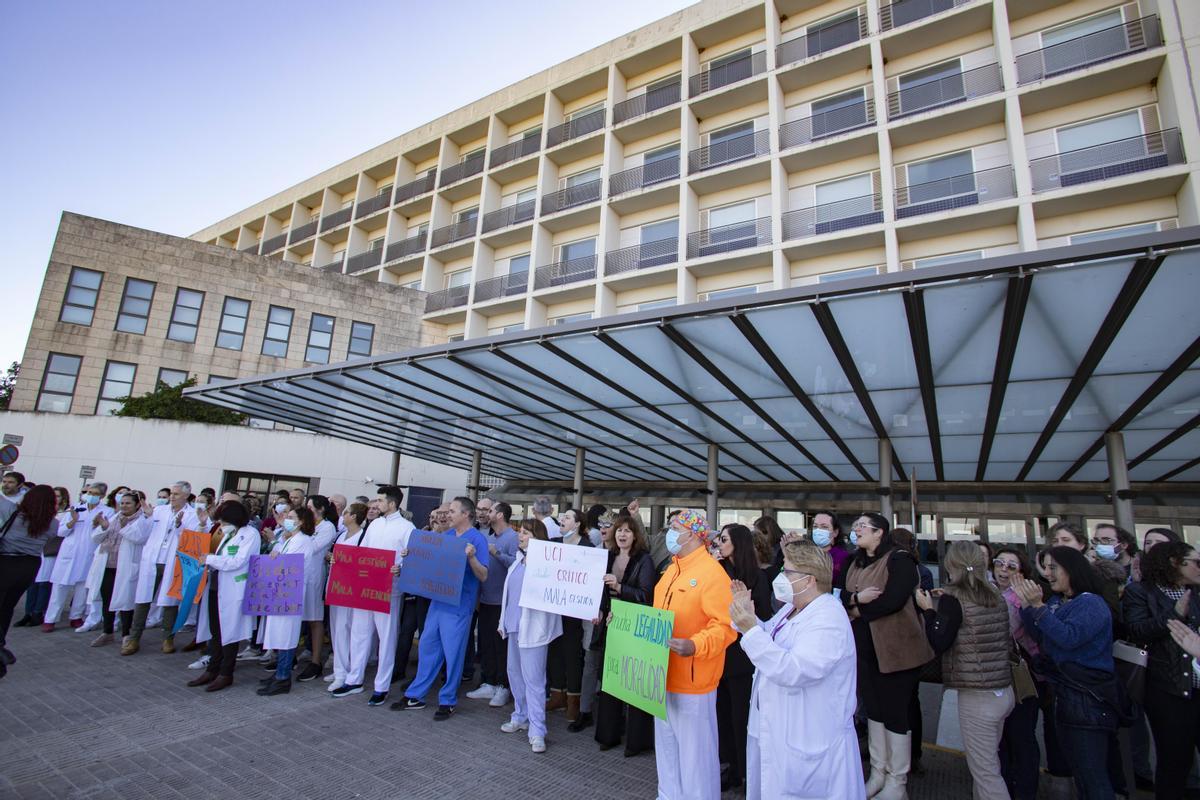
<point>412,285</point>
<point>80,302</point>
<point>662,92</point>
<point>476,153</point>
<point>931,87</point>
<point>660,164</point>
<point>1114,233</point>
<point>840,112</point>
<point>1083,146</point>
<point>458,278</point>
<point>945,176</point>
<point>659,243</point>
<point>583,112</point>
<point>568,318</point>
<point>185,316</point>
<point>375,244</point>
<point>1066,47</point>
<point>58,383</point>
<point>279,330</point>
<point>667,229</point>
<point>384,190</point>
<point>320,339</point>
<point>533,133</point>
<point>518,264</point>
<point>580,178</point>
<point>574,250</point>
<point>362,336</point>
<point>653,304</point>
<point>731,144</point>
<point>232,332</point>
<point>949,258</point>
<point>135,306</point>
<point>171,377</point>
<point>455,337</point>
<point>863,272</point>
<point>466,215</point>
<point>117,384</point>
<point>844,198</point>
<point>724,294</point>
<point>728,226</point>
<point>832,32</point>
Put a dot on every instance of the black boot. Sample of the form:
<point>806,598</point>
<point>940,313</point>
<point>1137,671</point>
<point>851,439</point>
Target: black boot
<point>276,687</point>
<point>584,721</point>
<point>24,622</point>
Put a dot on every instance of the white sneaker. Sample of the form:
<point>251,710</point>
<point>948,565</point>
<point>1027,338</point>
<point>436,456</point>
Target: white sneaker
<point>513,726</point>
<point>538,744</point>
<point>249,654</point>
<point>484,692</point>
<point>328,678</point>
<point>333,687</point>
<point>501,698</point>
<point>88,626</point>
<point>199,663</point>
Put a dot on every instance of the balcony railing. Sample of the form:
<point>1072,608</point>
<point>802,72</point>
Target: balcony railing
<point>454,232</point>
<point>508,215</point>
<point>302,232</point>
<point>827,123</point>
<point>253,249</point>
<point>339,217</point>
<point>365,260</point>
<point>945,91</point>
<point>854,212</point>
<point>508,285</point>
<point>571,196</point>
<point>274,243</point>
<point>335,265</point>
<point>641,256</point>
<point>416,188</point>
<point>666,169</point>
<point>955,191</point>
<point>1109,160</point>
<point>453,297</point>
<point>526,145</point>
<point>462,170</point>
<point>738,148</point>
<point>811,45</point>
<point>373,204</point>
<point>564,272</point>
<point>728,238</point>
<point>733,71</point>
<point>1092,48</point>
<point>902,12</point>
<point>647,102</point>
<point>406,247</point>
<point>573,129</point>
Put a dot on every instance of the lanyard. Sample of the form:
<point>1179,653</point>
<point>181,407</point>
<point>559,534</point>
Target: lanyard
<point>779,627</point>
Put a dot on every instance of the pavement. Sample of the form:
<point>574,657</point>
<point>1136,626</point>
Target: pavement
<point>82,722</point>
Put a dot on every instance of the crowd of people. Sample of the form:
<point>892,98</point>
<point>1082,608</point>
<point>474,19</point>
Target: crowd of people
<point>787,649</point>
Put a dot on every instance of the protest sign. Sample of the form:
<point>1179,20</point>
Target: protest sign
<point>360,577</point>
<point>194,544</point>
<point>635,656</point>
<point>565,579</point>
<point>434,566</point>
<point>192,575</point>
<point>275,587</point>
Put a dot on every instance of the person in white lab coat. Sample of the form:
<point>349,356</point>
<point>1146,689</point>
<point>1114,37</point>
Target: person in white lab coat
<point>119,542</point>
<point>157,566</point>
<point>282,633</point>
<point>339,616</point>
<point>221,621</point>
<point>326,532</point>
<point>95,577</point>
<point>69,577</point>
<point>801,741</point>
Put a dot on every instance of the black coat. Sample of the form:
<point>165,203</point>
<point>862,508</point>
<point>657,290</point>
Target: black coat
<point>1146,611</point>
<point>761,594</point>
<point>636,587</point>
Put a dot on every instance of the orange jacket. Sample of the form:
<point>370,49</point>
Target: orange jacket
<point>697,590</point>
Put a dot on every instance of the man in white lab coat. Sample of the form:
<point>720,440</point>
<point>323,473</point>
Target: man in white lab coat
<point>158,564</point>
<point>69,577</point>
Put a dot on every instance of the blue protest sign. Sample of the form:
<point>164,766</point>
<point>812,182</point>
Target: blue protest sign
<point>192,572</point>
<point>434,566</point>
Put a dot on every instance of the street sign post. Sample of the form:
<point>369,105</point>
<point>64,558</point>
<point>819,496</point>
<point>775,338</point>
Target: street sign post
<point>12,438</point>
<point>86,472</point>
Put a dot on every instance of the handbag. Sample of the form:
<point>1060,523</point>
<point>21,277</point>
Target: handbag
<point>1130,662</point>
<point>1022,679</point>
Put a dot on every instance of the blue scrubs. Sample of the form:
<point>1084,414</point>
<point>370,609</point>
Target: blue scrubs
<point>444,637</point>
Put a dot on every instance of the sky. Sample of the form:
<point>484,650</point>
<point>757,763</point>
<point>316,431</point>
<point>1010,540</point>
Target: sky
<point>172,116</point>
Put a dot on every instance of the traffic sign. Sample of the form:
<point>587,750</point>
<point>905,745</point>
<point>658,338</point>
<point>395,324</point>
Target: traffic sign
<point>9,454</point>
<point>86,472</point>
<point>13,438</point>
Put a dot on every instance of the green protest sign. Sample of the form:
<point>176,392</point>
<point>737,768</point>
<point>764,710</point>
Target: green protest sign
<point>635,656</point>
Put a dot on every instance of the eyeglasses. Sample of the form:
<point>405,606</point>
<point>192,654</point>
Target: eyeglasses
<point>1009,565</point>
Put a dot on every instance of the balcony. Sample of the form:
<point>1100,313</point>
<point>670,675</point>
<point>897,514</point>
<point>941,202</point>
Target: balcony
<point>641,256</point>
<point>573,129</point>
<point>252,249</point>
<point>366,260</point>
<point>956,191</point>
<point>733,71</point>
<point>463,170</point>
<point>373,204</point>
<point>571,196</point>
<point>302,232</point>
<point>945,91</point>
<point>564,272</point>
<point>508,285</point>
<point>1093,48</point>
<point>647,102</point>
<point>854,212</point>
<point>416,188</point>
<point>822,40</point>
<point>274,243</point>
<point>339,217</point>
<point>524,146</point>
<point>406,247</point>
<point>453,297</point>
<point>454,232</point>
<point>738,148</point>
<point>903,12</point>
<point>508,215</point>
<point>827,123</point>
<point>666,169</point>
<point>729,238</point>
<point>335,265</point>
<point>1109,160</point>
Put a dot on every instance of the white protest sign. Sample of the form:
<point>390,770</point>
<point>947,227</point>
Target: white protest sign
<point>565,579</point>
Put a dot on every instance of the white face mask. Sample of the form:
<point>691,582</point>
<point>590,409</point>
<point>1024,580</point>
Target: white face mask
<point>782,588</point>
<point>228,529</point>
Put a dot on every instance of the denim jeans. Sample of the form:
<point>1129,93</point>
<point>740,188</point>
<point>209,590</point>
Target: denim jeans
<point>283,666</point>
<point>1087,750</point>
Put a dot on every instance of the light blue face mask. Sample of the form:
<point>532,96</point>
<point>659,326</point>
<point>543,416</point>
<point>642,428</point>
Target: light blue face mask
<point>1107,551</point>
<point>289,525</point>
<point>673,545</point>
<point>91,499</point>
<point>160,501</point>
<point>821,537</point>
<point>853,539</point>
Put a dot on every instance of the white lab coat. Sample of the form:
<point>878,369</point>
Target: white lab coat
<point>163,538</point>
<point>279,632</point>
<point>47,567</point>
<point>314,571</point>
<point>75,556</point>
<point>95,573</point>
<point>129,553</point>
<point>231,563</point>
<point>536,628</point>
<point>801,741</point>
<point>389,533</point>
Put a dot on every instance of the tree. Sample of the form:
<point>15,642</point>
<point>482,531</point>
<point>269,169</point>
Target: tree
<point>168,402</point>
<point>8,382</point>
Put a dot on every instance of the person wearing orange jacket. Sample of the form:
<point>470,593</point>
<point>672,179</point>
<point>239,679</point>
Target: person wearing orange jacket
<point>697,590</point>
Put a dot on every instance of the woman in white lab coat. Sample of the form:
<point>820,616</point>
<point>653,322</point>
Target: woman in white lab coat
<point>70,572</point>
<point>801,741</point>
<point>324,534</point>
<point>221,620</point>
<point>354,517</point>
<point>282,633</point>
<point>120,541</point>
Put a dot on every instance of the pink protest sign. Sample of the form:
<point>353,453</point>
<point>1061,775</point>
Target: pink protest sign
<point>275,587</point>
<point>360,577</point>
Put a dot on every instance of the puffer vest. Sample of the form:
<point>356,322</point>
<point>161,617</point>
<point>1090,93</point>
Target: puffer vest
<point>979,657</point>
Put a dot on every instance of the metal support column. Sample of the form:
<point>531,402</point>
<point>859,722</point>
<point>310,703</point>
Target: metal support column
<point>395,473</point>
<point>711,505</point>
<point>885,479</point>
<point>473,485</point>
<point>577,496</point>
<point>658,518</point>
<point>1118,477</point>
